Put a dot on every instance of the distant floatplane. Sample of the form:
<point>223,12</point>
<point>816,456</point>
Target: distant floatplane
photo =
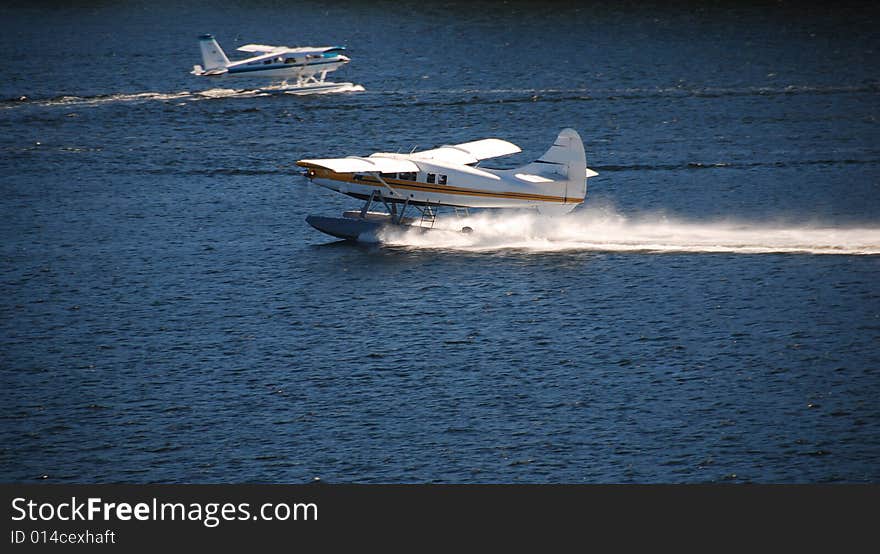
<point>448,176</point>
<point>306,66</point>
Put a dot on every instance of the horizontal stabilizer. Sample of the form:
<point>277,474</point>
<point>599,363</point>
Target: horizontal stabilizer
<point>355,164</point>
<point>198,70</point>
<point>469,152</point>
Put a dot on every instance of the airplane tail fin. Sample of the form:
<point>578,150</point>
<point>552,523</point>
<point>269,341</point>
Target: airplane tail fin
<point>213,56</point>
<point>565,159</point>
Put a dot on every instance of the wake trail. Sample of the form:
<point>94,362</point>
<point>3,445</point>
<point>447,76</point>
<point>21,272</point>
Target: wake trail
<point>608,231</point>
<point>179,97</point>
<point>475,95</point>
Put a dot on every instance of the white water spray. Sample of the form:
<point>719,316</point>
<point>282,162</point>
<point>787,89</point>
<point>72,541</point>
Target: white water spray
<point>606,230</point>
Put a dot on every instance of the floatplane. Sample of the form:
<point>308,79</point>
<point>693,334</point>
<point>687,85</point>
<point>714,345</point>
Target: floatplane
<point>447,177</point>
<point>306,66</point>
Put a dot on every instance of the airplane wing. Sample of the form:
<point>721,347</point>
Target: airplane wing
<point>269,49</point>
<point>354,164</point>
<point>469,152</point>
<point>262,48</point>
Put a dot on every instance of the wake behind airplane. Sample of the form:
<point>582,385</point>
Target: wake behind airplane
<point>448,176</point>
<point>308,66</point>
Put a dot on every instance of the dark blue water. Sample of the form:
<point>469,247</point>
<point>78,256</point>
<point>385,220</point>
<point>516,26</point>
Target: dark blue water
<point>712,314</point>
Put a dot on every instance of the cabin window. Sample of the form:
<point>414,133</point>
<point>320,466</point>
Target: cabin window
<point>290,60</point>
<point>432,178</point>
<point>267,62</point>
<point>441,179</point>
<point>408,176</point>
<point>389,175</point>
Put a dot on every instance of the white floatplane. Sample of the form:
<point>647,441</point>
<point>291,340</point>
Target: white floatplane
<point>448,176</point>
<point>306,66</point>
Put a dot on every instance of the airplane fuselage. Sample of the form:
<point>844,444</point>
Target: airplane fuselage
<point>281,68</point>
<point>442,185</point>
